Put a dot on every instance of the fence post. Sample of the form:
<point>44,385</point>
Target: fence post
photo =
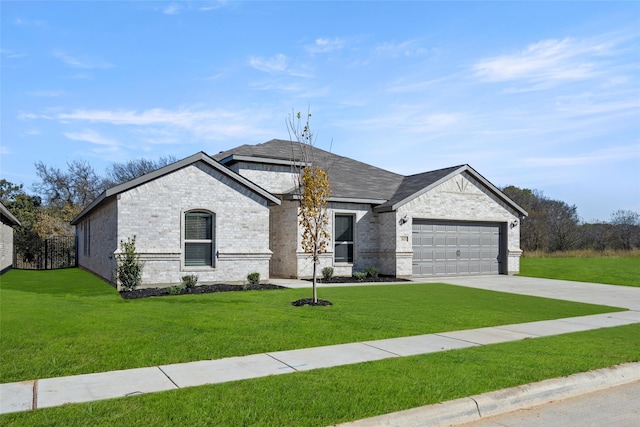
<point>46,253</point>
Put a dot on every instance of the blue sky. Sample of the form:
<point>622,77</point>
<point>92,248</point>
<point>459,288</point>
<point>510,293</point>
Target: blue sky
<point>541,95</point>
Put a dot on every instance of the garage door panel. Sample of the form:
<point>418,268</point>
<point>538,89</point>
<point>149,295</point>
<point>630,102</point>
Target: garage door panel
<point>455,248</point>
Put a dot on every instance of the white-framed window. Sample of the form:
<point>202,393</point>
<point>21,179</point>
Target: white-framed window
<point>343,238</point>
<point>199,239</point>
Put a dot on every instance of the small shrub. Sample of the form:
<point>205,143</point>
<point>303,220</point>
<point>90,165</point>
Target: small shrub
<point>189,281</point>
<point>371,272</point>
<point>128,265</point>
<point>253,278</point>
<point>176,290</point>
<point>327,273</point>
<point>360,275</point>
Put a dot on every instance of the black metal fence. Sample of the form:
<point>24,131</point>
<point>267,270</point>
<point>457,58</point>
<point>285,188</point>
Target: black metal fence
<point>47,254</point>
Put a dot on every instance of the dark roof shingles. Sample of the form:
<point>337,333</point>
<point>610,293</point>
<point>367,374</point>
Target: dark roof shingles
<point>349,178</point>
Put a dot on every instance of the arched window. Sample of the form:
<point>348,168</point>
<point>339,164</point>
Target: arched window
<point>199,238</point>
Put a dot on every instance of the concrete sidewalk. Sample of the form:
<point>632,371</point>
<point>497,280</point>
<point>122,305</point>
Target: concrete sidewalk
<point>29,395</point>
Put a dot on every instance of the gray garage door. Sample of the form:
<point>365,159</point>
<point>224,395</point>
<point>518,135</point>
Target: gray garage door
<point>452,249</point>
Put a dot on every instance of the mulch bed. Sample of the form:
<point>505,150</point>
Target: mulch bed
<point>200,289</point>
<point>207,289</point>
<point>309,301</point>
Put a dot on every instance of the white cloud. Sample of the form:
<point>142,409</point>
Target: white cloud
<point>597,157</point>
<point>76,62</point>
<point>204,124</point>
<point>322,45</point>
<point>91,136</point>
<point>81,76</point>
<point>406,48</point>
<point>545,61</point>
<point>172,9</point>
<point>7,53</point>
<point>275,64</point>
<point>213,5</point>
<point>20,22</point>
<point>597,103</point>
<point>4,150</point>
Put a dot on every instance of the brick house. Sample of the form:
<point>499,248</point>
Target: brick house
<point>7,222</point>
<point>240,208</point>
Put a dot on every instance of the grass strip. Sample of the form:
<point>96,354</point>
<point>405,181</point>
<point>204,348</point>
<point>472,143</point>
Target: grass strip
<point>68,322</point>
<point>328,396</point>
<point>623,271</point>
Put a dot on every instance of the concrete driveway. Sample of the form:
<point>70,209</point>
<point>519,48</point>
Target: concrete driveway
<point>592,293</point>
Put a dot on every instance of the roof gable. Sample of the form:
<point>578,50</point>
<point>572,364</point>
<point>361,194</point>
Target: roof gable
<point>416,185</point>
<point>198,157</point>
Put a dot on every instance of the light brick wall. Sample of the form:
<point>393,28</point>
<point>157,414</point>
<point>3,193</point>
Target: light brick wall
<point>381,240</point>
<point>276,179</point>
<point>459,198</point>
<point>100,228</point>
<point>284,239</point>
<point>6,246</point>
<point>299,264</point>
<point>154,212</point>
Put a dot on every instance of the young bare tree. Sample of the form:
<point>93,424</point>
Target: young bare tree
<point>313,191</point>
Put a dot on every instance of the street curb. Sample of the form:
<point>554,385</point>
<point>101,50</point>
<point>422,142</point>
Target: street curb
<point>474,408</point>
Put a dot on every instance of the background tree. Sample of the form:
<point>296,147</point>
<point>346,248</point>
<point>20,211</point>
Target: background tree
<point>552,225</point>
<point>26,209</point>
<point>626,229</point>
<point>132,169</point>
<point>78,186</point>
<point>561,225</point>
<point>313,190</point>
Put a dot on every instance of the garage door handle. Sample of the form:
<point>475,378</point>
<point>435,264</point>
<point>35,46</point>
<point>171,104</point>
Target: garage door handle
<point>458,252</point>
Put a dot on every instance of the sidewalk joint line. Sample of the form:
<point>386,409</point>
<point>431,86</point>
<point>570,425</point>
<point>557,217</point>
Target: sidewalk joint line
<point>506,328</point>
<point>284,363</point>
<point>459,339</point>
<point>169,378</point>
<point>34,403</point>
<point>382,349</point>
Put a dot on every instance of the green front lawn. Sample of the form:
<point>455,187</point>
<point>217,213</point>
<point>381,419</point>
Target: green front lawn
<point>68,322</point>
<point>327,396</point>
<point>610,270</point>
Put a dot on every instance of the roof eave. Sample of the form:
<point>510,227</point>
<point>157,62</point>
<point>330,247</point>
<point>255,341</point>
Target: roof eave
<point>200,156</point>
<point>293,196</point>
<point>236,158</point>
<point>7,214</point>
<point>497,192</point>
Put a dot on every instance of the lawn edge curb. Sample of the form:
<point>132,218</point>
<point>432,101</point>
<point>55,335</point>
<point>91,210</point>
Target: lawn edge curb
<point>477,407</point>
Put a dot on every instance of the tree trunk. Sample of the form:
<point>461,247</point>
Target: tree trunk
<point>315,292</point>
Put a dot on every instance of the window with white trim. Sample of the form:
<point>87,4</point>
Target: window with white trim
<point>199,238</point>
<point>343,238</point>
